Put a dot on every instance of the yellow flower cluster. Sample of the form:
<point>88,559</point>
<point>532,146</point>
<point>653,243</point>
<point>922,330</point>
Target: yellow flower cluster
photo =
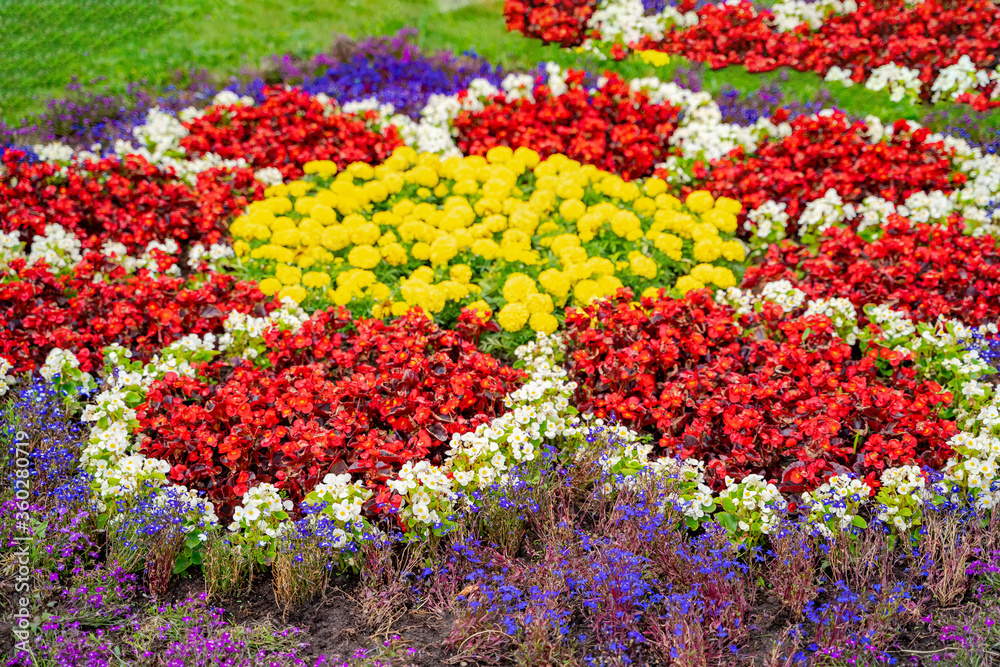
<point>507,233</point>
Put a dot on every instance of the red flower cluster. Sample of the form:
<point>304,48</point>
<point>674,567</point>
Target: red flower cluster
<point>614,128</point>
<point>287,130</point>
<point>926,271</point>
<point>927,37</point>
<point>561,21</point>
<point>340,396</point>
<point>126,200</point>
<point>767,394</point>
<point>830,152</point>
<point>74,312</point>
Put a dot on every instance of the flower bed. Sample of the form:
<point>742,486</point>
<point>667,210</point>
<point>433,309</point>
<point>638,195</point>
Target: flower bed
<point>926,51</point>
<point>509,316</point>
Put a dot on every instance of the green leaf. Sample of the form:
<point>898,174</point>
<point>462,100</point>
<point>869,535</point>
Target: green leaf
<point>859,522</point>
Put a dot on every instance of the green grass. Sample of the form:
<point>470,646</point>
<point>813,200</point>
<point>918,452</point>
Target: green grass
<point>45,43</point>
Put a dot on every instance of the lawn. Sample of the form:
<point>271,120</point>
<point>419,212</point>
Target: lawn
<point>112,43</point>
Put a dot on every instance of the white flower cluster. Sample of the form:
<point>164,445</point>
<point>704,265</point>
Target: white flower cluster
<point>538,411</point>
<point>57,247</point>
<point>973,470</point>
<point>821,214</point>
<point>741,300</point>
<point>261,513</point>
<point>10,248</point>
<point>268,176</point>
<point>842,314</point>
<point>962,77</point>
<point>59,362</point>
<point>839,75</point>
<point>893,323</point>
<point>784,294</point>
<point>753,496</point>
<point>901,497</point>
<point>626,21</point>
<point>6,381</point>
<point>150,259</point>
<point>343,500</point>
<point>244,333</point>
<point>767,219</point>
<point>790,14</point>
<point>835,503</point>
<point>199,256</point>
<point>427,493</point>
<point>902,82</point>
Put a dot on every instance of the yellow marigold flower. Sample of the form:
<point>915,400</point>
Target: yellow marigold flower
<point>703,273</point>
<point>687,283</point>
<point>517,288</point>
<point>543,322</point>
<point>499,154</point>
<point>721,220</point>
<point>729,205</point>
<point>654,186</point>
<point>623,222</point>
<point>269,286</point>
<point>304,204</point>
<point>608,285</point>
<point>539,303</point>
<point>651,292</point>
<point>723,277</point>
<point>554,282</point>
<point>365,234</point>
<point>585,291</point>
<point>335,237</point>
<point>296,292</point>
<point>654,58</point>
<point>700,201</point>
<point>643,266</point>
<point>424,193</point>
<point>424,176</point>
<point>278,190</point>
<point>399,308</point>
<point>665,202</point>
<point>435,299</point>
<point>414,290</point>
<point>424,273</point>
<point>572,209</point>
<point>486,248</point>
<point>542,201</point>
<point>443,250</point>
<point>600,266</point>
<point>322,214</point>
<point>733,251</point>
<point>465,187</point>
<point>421,251</point>
<point>394,254</point>
<point>288,275</point>
<point>316,279</point>
<point>528,157</point>
<point>364,257</point>
<point>573,255</point>
<point>460,273</point>
<point>283,255</point>
<point>286,237</point>
<point>299,188</point>
<point>380,292</point>
<point>305,261</point>
<point>513,317</point>
<point>325,168</point>
<point>241,248</point>
<point>708,250</point>
<point>376,191</point>
<point>644,206</point>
